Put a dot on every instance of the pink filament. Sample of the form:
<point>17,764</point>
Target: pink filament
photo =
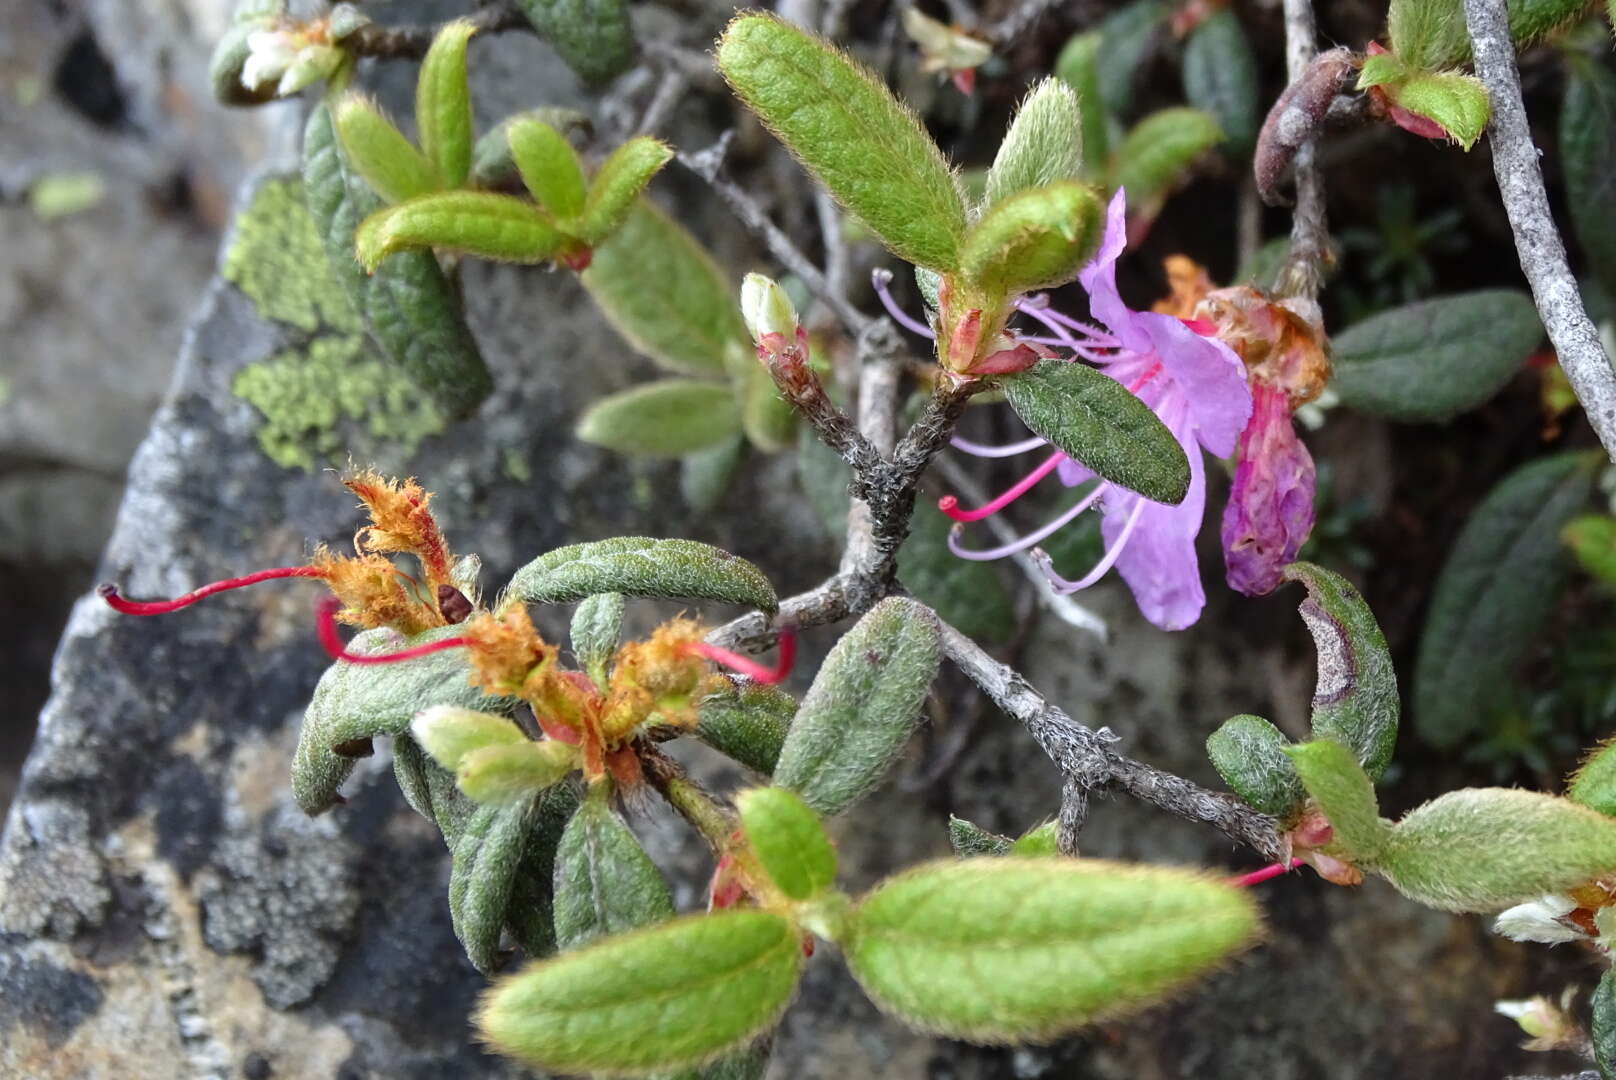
<point>745,665</point>
<point>109,591</point>
<point>1257,877</point>
<point>949,505</point>
<point>327,627</point>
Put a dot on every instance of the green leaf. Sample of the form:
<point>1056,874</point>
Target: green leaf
<point>1380,70</point>
<point>481,876</point>
<point>867,149</point>
<point>1093,419</point>
<point>1024,950</point>
<point>1346,795</point>
<point>1588,156</point>
<point>1428,35</point>
<point>1434,359</point>
<point>1078,67</point>
<point>1249,753</point>
<point>824,478</point>
<point>767,418</point>
<point>1604,1003</point>
<point>1125,37</point>
<point>501,774</point>
<point>356,702</point>
<point>1041,841</point>
<point>705,475</point>
<point>1592,540</point>
<point>1043,146</point>
<point>1355,701</point>
<point>1455,102</point>
<point>746,722</point>
<point>862,706</point>
<point>596,625</point>
<point>642,566</point>
<point>1035,239</point>
<point>667,418</point>
<point>531,912</point>
<point>443,103</point>
<point>593,36</point>
<point>470,222</point>
<point>788,840</point>
<point>1220,77</point>
<point>677,994</point>
<point>409,307</point>
<point>449,732</point>
<point>661,290</point>
<point>617,186</point>
<point>969,839</point>
<point>380,153</point>
<point>1594,783</point>
<point>605,883</point>
<point>548,166</point>
<point>1495,594</point>
<point>1159,151</point>
<point>966,593</point>
<point>491,162</point>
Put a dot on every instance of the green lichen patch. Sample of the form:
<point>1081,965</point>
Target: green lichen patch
<point>306,394</point>
<point>276,258</point>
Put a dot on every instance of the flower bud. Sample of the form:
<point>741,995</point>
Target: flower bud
<point>767,309</point>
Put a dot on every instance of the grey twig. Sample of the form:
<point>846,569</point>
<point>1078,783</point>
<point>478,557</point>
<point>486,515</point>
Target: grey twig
<point>1303,272</point>
<point>1074,814</point>
<point>412,42</point>
<point>1018,21</point>
<point>668,92</point>
<point>1537,241</point>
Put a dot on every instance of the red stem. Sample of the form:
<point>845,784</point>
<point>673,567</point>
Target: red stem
<point>109,591</point>
<point>327,626</point>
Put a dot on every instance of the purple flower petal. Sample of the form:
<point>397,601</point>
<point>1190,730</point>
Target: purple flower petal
<point>1270,510</point>
<point>1208,374</point>
<point>1099,280</point>
<point>1159,563</point>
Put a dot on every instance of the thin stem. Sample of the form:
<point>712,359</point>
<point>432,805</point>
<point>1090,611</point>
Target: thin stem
<point>412,42</point>
<point>1303,273</point>
<point>1537,241</point>
<point>715,821</point>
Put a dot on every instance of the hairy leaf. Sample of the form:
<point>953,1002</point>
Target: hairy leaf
<point>1355,700</point>
<point>1497,590</point>
<point>380,153</point>
<point>1456,102</point>
<point>788,840</point>
<point>1043,146</point>
<point>470,222</point>
<point>768,419</point>
<point>1037,238</point>
<point>1428,35</point>
<point>510,772</point>
<point>359,701</point>
<point>1125,37</point>
<point>966,593</point>
<point>605,883</point>
<point>1078,67</point>
<point>596,625</point>
<point>1588,155</point>
<point>1346,795</point>
<point>1249,753</point>
<point>661,290</point>
<point>747,722</point>
<point>1434,359</point>
<point>1040,841</point>
<point>1594,783</point>
<point>1159,151</point>
<point>1220,77</point>
<point>1095,420</point>
<point>443,104</point>
<point>672,995</point>
<point>862,706</point>
<point>1603,1031</point>
<point>1028,949</point>
<point>870,151</point>
<point>642,566</point>
<point>548,166</point>
<point>491,162</point>
<point>594,37</point>
<point>481,875</point>
<point>449,732</point>
<point>531,912</point>
<point>667,418</point>
<point>969,839</point>
<point>617,186</point>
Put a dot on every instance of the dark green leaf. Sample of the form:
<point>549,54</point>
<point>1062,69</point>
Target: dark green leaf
<point>862,706</point>
<point>1435,359</point>
<point>1220,77</point>
<point>705,475</point>
<point>1588,154</point>
<point>481,876</point>
<point>970,840</point>
<point>1095,420</point>
<point>1078,67</point>
<point>966,593</point>
<point>593,36</point>
<point>1249,753</point>
<point>667,418</point>
<point>1125,38</point>
<point>642,566</point>
<point>747,722</point>
<point>1604,1012</point>
<point>1500,584</point>
<point>596,625</point>
<point>1159,151</point>
<point>531,913</point>
<point>605,883</point>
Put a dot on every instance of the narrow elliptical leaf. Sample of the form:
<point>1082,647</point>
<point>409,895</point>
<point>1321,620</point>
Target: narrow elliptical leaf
<point>443,104</point>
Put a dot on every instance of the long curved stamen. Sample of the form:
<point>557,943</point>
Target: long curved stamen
<point>881,279</point>
<point>326,624</point>
<point>1099,335</point>
<point>949,505</point>
<point>1257,877</point>
<point>1067,330</point>
<point>1101,568</point>
<point>109,591</point>
<point>1025,542</point>
<point>1006,450</point>
<point>745,665</point>
<point>1092,355</point>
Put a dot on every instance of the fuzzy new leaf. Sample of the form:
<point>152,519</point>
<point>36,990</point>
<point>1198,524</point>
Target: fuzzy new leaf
<point>380,153</point>
<point>481,876</point>
<point>605,883</point>
<point>548,166</point>
<point>509,772</point>
<point>1093,419</point>
<point>862,706</point>
<point>1594,783</point>
<point>660,289</point>
<point>1003,950</point>
<point>1455,102</point>
<point>1355,700</point>
<point>1037,238</point>
<point>618,184</point>
<point>642,566</point>
<point>788,840</point>
<point>747,722</point>
<point>667,418</point>
<point>1249,753</point>
<point>596,625</point>
<point>1159,151</point>
<point>1346,795</point>
<point>477,223</point>
<point>449,732</point>
<point>869,150</point>
<point>673,995</point>
<point>1043,146</point>
<point>443,104</point>
<point>491,163</point>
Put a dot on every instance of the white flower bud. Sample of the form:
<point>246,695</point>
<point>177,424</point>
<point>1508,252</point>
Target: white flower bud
<point>767,309</point>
